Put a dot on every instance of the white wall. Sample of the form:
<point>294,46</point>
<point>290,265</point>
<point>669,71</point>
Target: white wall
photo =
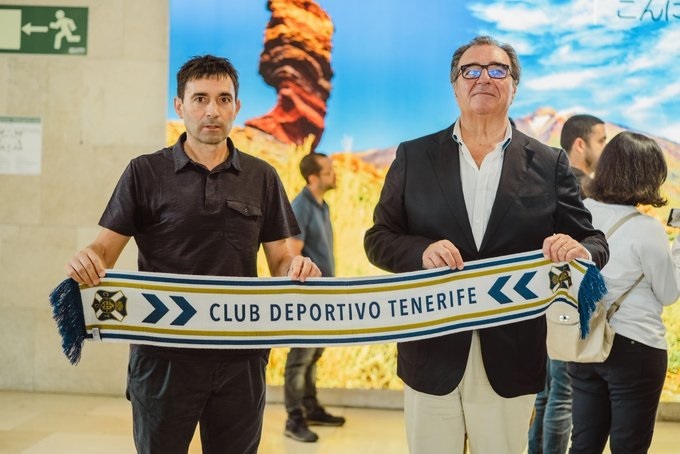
<point>98,111</point>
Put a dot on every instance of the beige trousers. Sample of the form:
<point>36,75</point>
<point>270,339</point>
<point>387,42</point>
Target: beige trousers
<point>491,423</point>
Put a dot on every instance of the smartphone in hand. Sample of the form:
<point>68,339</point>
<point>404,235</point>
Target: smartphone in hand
<point>674,217</point>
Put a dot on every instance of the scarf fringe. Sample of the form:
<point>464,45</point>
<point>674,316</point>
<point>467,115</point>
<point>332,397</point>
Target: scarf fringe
<point>67,311</point>
<point>590,292</point>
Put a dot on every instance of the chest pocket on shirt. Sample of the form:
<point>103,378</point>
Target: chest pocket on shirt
<point>242,225</point>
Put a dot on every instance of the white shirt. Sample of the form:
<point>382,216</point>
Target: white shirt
<point>480,184</point>
<point>639,246</point>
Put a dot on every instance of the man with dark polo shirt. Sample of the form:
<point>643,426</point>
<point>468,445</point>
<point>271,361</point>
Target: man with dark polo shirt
<point>199,207</point>
<point>316,242</point>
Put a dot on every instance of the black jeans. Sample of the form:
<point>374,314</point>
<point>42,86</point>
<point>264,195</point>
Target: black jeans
<point>617,398</point>
<point>300,378</point>
<point>169,397</point>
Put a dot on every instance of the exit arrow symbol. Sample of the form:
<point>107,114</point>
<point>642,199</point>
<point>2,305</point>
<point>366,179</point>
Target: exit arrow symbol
<point>28,29</point>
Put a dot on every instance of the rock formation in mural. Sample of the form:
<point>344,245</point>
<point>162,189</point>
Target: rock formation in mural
<point>296,60</point>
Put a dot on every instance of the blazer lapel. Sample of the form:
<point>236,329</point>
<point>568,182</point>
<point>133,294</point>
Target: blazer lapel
<point>445,162</point>
<point>515,161</point>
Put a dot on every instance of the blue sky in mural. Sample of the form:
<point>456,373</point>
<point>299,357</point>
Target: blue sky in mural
<point>613,58</point>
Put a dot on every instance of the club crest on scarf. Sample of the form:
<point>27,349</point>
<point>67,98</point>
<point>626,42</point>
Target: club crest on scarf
<point>560,277</point>
<point>109,305</point>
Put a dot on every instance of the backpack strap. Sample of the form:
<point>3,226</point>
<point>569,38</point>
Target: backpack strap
<point>620,222</point>
<point>616,304</point>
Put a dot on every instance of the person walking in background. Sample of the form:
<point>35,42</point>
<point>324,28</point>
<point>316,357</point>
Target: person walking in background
<point>475,190</point>
<point>583,138</point>
<point>619,397</point>
<point>199,207</point>
<point>316,242</point>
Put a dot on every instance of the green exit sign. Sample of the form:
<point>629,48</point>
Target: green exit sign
<point>43,30</point>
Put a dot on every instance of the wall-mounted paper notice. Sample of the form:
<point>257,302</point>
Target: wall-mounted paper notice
<point>20,145</point>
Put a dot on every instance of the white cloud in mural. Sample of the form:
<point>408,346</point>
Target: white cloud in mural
<point>562,80</point>
<point>661,53</point>
<point>523,46</point>
<point>668,41</point>
<point>671,132</point>
<point>645,104</point>
<point>617,57</point>
<point>538,17</point>
<point>599,38</point>
<point>511,17</point>
<point>569,55</point>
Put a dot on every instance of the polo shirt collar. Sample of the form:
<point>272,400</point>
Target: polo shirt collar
<point>307,193</point>
<point>182,159</point>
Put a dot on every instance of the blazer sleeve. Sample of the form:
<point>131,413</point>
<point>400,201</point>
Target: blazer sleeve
<point>573,218</point>
<point>387,243</point>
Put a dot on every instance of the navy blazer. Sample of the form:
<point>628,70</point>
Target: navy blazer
<point>422,202</point>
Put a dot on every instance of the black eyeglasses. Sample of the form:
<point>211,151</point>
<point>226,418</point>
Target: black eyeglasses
<point>494,70</point>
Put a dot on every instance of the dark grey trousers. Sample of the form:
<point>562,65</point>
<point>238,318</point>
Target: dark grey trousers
<point>300,378</point>
<point>169,397</point>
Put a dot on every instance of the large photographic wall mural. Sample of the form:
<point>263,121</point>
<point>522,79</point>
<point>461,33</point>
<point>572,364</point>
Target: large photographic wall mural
<point>353,79</point>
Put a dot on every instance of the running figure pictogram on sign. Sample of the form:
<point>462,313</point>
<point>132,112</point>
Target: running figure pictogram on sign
<point>65,26</point>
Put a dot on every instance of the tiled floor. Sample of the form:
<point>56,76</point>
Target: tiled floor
<point>33,423</point>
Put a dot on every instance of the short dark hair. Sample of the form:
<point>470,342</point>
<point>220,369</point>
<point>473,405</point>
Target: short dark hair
<point>205,66</point>
<point>515,68</point>
<point>577,126</point>
<point>630,171</point>
<point>309,165</point>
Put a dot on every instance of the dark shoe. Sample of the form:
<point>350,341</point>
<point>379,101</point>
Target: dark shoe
<point>319,417</point>
<point>296,428</point>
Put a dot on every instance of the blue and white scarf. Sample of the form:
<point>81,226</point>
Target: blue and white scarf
<point>228,312</point>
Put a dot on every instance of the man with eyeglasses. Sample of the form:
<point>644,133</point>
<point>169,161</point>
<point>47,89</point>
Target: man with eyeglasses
<point>478,189</point>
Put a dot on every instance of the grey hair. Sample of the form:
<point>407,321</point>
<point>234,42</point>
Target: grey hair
<point>515,68</point>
